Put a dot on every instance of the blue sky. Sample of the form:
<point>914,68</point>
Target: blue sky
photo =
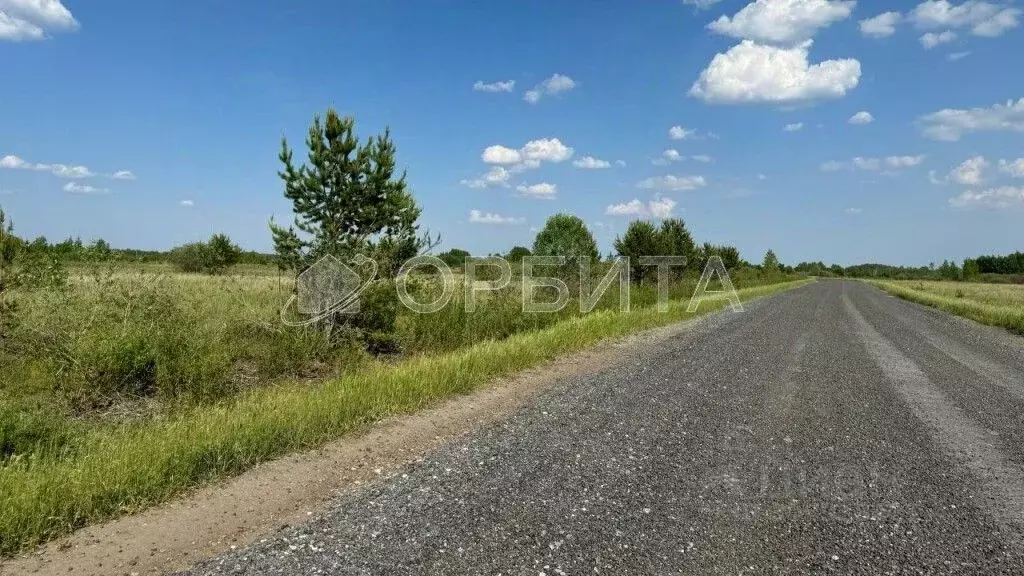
<point>155,123</point>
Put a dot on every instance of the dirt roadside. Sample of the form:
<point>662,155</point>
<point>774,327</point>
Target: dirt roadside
<point>241,510</point>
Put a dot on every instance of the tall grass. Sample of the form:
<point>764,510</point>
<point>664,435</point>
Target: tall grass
<point>993,304</point>
<point>114,470</point>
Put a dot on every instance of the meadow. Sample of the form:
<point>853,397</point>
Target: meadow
<point>130,384</point>
<point>993,304</point>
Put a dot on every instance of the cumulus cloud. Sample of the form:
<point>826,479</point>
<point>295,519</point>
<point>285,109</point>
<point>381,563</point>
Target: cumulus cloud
<point>862,117</point>
<point>753,73</point>
<point>59,170</point>
<point>880,26</point>
<point>1001,197</point>
<point>658,208</point>
<point>496,176</point>
<point>970,172</point>
<point>186,203</point>
<point>873,164</point>
<point>32,19</point>
<point>954,56</point>
<point>981,17</point>
<point>550,87</point>
<point>510,161</point>
<point>501,86</point>
<point>930,39</point>
<point>123,175</point>
<point>542,190</point>
<point>498,154</point>
<point>1015,168</point>
<point>591,163</point>
<point>546,150</point>
<point>950,124</point>
<point>782,21</point>
<point>620,163</point>
<point>680,133</point>
<point>76,188</point>
<point>673,183</point>
<point>702,158</point>
<point>795,127</point>
<point>701,4</point>
<point>478,217</point>
<point>904,161</point>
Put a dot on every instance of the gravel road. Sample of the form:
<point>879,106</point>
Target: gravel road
<point>829,429</point>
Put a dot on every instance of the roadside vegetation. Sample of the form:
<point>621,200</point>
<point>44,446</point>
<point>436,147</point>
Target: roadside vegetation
<point>128,376</point>
<point>993,304</point>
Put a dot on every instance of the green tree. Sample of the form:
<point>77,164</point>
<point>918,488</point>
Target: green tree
<point>566,235</point>
<point>222,253</point>
<point>454,258</point>
<point>676,240</point>
<point>517,253</point>
<point>10,245</point>
<point>770,264</point>
<point>971,269</point>
<point>347,199</point>
<point>641,239</point>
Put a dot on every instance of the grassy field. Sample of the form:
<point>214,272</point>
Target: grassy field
<point>131,385</point>
<point>993,304</point>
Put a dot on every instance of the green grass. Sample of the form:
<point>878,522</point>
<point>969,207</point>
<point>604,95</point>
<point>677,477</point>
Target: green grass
<point>112,470</point>
<point>993,304</point>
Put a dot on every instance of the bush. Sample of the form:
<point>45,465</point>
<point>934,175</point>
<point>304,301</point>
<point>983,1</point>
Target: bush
<point>212,257</point>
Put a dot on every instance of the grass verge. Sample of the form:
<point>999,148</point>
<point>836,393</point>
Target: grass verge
<point>995,305</point>
<point>125,469</point>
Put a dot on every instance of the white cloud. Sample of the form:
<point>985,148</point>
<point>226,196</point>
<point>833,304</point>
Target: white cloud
<point>496,176</point>
<point>795,127</point>
<point>478,217</point>
<point>904,161</point>
<point>123,175</point>
<point>702,158</point>
<point>83,189</point>
<point>530,156</point>
<point>1001,197</point>
<point>862,117</point>
<point>501,86</point>
<point>542,190</point>
<point>880,26</point>
<point>872,164</point>
<point>658,207</point>
<point>854,211</point>
<point>661,207</point>
<point>680,133</point>
<point>591,163</point>
<point>498,154</point>
<point>671,154</point>
<point>935,179</point>
<point>970,172</point>
<point>954,56</point>
<point>550,87</point>
<point>186,203</point>
<point>930,39</point>
<point>782,21</point>
<point>983,18</point>
<point>1014,168</point>
<point>31,19</point>
<point>673,183</point>
<point>867,163</point>
<point>701,4</point>
<point>60,170</point>
<point>751,73</point>
<point>950,124</point>
<point>620,163</point>
<point>762,177</point>
<point>546,150</point>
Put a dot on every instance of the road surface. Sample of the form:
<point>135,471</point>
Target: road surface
<point>829,429</point>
